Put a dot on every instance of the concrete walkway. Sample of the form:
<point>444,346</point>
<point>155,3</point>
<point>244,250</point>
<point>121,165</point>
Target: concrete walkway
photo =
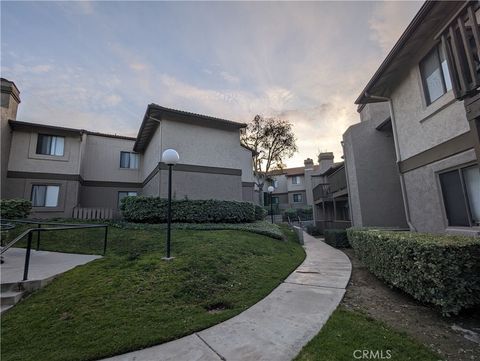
<point>43,265</point>
<point>277,327</point>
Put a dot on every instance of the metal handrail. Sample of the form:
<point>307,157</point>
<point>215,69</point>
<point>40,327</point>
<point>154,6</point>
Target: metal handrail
<point>30,231</point>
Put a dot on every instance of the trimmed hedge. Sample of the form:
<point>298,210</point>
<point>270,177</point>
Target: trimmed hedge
<point>305,214</point>
<point>337,238</point>
<point>314,230</point>
<point>15,208</point>
<point>443,270</point>
<point>260,213</point>
<point>154,210</point>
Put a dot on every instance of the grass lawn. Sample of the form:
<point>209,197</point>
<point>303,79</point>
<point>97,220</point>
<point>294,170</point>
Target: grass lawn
<point>347,331</point>
<point>132,299</point>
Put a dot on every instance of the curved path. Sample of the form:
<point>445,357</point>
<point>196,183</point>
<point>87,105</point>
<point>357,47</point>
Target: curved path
<point>277,327</point>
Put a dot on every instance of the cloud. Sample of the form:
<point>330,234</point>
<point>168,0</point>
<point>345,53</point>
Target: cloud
<point>229,78</point>
<point>138,66</point>
<point>389,20</point>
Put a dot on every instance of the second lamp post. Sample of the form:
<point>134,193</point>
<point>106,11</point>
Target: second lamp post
<point>170,157</point>
<point>270,190</point>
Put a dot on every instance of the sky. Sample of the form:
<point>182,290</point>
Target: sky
<point>97,65</point>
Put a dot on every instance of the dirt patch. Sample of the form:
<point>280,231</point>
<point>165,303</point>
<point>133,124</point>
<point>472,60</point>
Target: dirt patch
<point>455,338</point>
<point>217,307</point>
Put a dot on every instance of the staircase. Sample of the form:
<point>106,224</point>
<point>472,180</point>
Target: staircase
<point>11,293</point>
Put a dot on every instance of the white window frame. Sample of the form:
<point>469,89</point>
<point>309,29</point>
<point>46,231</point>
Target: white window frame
<point>128,194</point>
<point>57,145</point>
<point>444,72</point>
<point>296,179</point>
<point>52,192</point>
<point>133,160</point>
<point>297,194</point>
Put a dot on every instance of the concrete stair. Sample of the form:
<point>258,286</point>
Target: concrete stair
<point>11,294</point>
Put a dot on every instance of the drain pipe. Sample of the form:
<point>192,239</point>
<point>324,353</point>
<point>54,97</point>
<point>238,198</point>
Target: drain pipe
<point>348,183</point>
<point>398,156</point>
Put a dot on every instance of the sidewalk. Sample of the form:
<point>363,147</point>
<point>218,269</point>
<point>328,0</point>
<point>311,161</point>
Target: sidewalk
<point>277,327</point>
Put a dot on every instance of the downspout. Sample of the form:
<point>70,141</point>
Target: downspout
<point>348,183</point>
<point>397,155</point>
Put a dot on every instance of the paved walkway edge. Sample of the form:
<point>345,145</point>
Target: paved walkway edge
<point>277,327</point>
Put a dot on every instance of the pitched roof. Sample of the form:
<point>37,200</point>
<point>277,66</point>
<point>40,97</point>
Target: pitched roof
<point>333,168</point>
<point>17,124</point>
<point>155,113</point>
<point>290,172</point>
<point>426,22</point>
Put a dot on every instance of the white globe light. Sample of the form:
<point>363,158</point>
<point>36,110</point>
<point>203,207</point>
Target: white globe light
<point>170,157</point>
<point>271,189</point>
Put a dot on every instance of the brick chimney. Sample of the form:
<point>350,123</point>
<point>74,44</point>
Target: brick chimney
<point>10,98</point>
<point>325,160</point>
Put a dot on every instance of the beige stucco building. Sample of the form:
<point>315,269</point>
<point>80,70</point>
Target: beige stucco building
<point>65,171</point>
<point>412,161</point>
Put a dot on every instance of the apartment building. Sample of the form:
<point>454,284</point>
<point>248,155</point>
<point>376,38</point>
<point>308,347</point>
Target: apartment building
<point>413,161</point>
<point>63,170</point>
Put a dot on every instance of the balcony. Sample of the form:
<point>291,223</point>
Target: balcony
<point>461,44</point>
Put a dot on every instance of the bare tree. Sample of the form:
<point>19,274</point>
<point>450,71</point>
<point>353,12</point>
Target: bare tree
<point>272,141</point>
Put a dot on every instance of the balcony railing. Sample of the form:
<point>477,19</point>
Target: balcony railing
<point>337,180</point>
<point>461,44</point>
<point>321,191</point>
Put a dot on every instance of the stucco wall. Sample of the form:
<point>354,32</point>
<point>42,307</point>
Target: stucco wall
<point>296,187</point>
<point>67,200</point>
<point>207,146</point>
<point>196,185</point>
<point>102,160</point>
<point>8,110</point>
<point>23,157</point>
<point>420,127</point>
<point>373,181</point>
<point>248,193</point>
<point>376,112</point>
<point>424,192</point>
<point>301,204</point>
<point>103,197</point>
<point>152,154</point>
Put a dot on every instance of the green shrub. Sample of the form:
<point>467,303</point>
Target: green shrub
<point>15,208</point>
<point>260,213</point>
<point>314,230</point>
<point>154,210</point>
<point>337,238</point>
<point>443,270</point>
<point>305,214</point>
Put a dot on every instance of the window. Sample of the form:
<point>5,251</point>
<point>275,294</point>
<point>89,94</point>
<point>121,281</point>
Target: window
<point>297,198</point>
<point>296,179</point>
<point>123,194</point>
<point>129,160</point>
<point>461,196</point>
<point>275,183</point>
<point>435,75</point>
<point>275,200</point>
<point>50,145</point>
<point>45,196</point>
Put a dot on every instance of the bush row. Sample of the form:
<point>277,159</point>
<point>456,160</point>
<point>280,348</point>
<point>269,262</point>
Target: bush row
<point>15,208</point>
<point>443,270</point>
<point>336,238</point>
<point>305,214</point>
<point>154,210</point>
<point>262,227</point>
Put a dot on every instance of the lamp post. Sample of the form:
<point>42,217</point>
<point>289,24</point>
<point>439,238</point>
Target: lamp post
<point>270,190</point>
<point>170,157</point>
